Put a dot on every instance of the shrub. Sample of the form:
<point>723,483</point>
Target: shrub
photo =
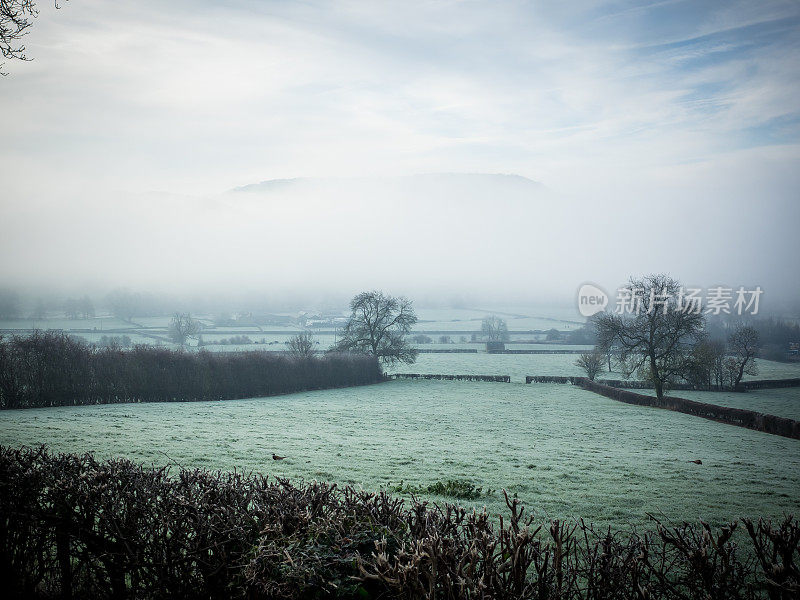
<point>52,369</point>
<point>72,526</point>
<point>591,363</point>
<point>460,489</point>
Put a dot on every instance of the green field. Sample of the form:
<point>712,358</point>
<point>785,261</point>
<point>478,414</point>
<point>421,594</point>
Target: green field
<point>520,365</point>
<point>564,451</point>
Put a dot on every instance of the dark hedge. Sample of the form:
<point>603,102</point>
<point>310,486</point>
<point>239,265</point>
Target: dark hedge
<point>52,369</point>
<point>724,414</point>
<point>75,527</point>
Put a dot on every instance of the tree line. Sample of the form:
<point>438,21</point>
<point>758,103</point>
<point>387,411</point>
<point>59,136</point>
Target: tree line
<point>51,368</point>
<point>665,343</point>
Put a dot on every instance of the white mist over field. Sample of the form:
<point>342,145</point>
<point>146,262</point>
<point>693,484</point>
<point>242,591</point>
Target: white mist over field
<point>500,150</point>
<point>440,235</point>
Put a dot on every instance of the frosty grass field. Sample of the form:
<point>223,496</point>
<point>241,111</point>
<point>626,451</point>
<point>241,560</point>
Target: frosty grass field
<point>563,451</point>
<point>520,365</point>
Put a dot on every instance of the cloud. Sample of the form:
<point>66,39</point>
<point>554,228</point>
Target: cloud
<point>618,99</point>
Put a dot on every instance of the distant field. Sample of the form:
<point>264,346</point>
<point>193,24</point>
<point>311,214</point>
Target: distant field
<point>564,451</point>
<point>520,324</point>
<point>520,365</point>
<point>63,323</point>
<point>768,369</point>
<point>515,365</point>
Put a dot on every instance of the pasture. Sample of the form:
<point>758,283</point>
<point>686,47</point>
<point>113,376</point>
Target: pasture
<point>520,365</point>
<point>563,451</point>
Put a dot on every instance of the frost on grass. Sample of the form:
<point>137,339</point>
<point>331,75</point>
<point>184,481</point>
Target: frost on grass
<point>563,451</point>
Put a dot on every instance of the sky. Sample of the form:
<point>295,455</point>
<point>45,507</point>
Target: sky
<point>666,135</point>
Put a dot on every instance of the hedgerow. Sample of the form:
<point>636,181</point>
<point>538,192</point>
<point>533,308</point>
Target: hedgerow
<point>73,526</point>
<point>53,369</point>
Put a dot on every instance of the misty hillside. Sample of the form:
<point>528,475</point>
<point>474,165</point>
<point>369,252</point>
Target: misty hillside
<point>494,184</point>
<point>426,192</point>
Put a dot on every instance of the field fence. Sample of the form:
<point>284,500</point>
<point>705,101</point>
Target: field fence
<point>724,414</point>
<point>637,384</point>
<point>492,378</point>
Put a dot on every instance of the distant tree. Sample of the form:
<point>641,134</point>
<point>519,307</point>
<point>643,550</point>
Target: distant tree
<point>9,304</point>
<point>301,346</point>
<point>71,308</point>
<point>552,335</point>
<point>223,319</point>
<point>421,338</point>
<point>743,345</point>
<point>707,364</point>
<point>494,329</point>
<point>444,339</point>
<point>86,307</point>
<point>591,363</point>
<point>378,325</point>
<point>123,304</point>
<point>657,337</point>
<point>583,336</point>
<point>777,333</point>
<point>182,327</point>
<point>115,342</point>
<point>775,352</point>
<point>40,310</point>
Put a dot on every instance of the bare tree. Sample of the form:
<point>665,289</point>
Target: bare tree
<point>86,307</point>
<point>9,304</point>
<point>123,304</point>
<point>16,17</point>
<point>707,365</point>
<point>657,337</point>
<point>71,309</point>
<point>182,327</point>
<point>743,344</point>
<point>553,335</point>
<point>378,325</point>
<point>494,329</point>
<point>591,363</point>
<point>301,346</point>
<point>40,310</point>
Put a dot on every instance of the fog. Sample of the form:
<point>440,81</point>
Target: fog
<point>448,151</point>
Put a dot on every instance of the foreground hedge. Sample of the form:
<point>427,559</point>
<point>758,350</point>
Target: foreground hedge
<point>53,369</point>
<point>75,527</point>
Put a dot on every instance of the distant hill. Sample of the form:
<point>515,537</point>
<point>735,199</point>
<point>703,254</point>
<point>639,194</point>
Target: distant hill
<point>441,182</point>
